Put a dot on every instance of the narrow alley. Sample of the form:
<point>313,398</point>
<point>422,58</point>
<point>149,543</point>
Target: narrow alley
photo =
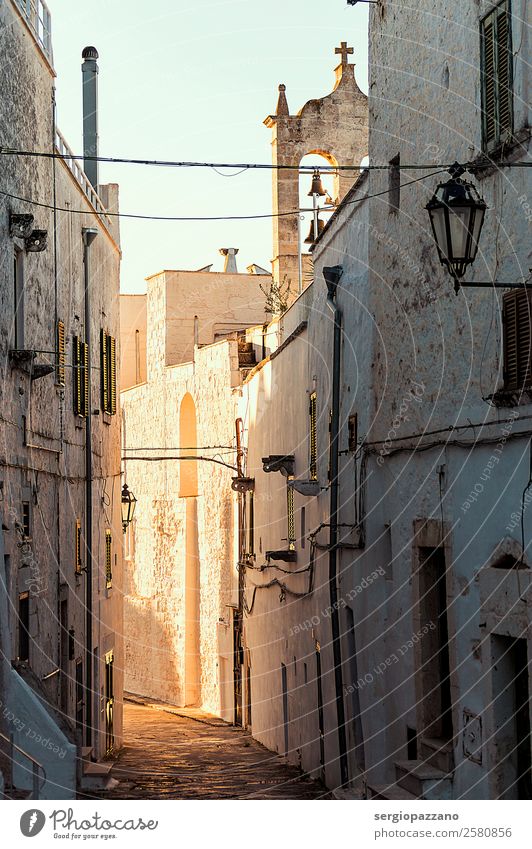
<point>189,754</point>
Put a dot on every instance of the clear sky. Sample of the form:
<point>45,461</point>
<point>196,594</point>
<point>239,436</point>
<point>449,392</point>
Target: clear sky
<point>194,80</point>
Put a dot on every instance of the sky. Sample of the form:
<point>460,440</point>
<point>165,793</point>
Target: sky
<point>194,80</point>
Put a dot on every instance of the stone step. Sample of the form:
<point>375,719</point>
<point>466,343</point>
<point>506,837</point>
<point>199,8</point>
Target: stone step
<point>438,753</point>
<point>423,780</point>
<point>391,792</point>
<point>247,359</point>
<point>95,776</point>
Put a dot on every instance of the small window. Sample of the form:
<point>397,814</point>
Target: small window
<point>60,368</point>
<point>517,340</point>
<point>108,372</point>
<point>81,377</point>
<point>496,76</point>
<point>24,627</point>
<point>291,519</point>
<point>108,559</point>
<point>26,519</point>
<point>394,183</point>
<point>78,561</point>
<point>313,465</point>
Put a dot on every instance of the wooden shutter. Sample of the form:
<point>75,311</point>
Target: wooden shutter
<point>504,71</point>
<point>517,340</point>
<point>78,547</point>
<point>60,370</point>
<point>104,369</point>
<point>85,364</point>
<point>108,558</point>
<point>291,521</point>
<point>497,74</point>
<point>313,466</point>
<point>76,363</point>
<point>112,374</point>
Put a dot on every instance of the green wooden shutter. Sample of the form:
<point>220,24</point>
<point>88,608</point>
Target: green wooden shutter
<point>497,76</point>
<point>112,374</point>
<point>76,364</point>
<point>291,520</point>
<point>85,364</point>
<point>104,371</point>
<point>60,370</point>
<point>313,465</point>
<point>108,558</point>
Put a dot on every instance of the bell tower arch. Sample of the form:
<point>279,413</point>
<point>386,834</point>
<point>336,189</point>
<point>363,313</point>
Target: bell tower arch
<point>336,127</point>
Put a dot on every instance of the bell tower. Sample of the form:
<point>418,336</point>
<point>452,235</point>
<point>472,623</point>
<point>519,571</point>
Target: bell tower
<point>334,126</point>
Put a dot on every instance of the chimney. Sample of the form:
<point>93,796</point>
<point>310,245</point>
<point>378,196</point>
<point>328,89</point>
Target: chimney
<point>89,70</point>
<point>230,260</point>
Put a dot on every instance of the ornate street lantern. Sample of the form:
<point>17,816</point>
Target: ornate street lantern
<point>456,213</point>
<point>129,502</point>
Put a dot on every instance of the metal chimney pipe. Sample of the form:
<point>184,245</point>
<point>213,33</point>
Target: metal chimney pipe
<point>230,266</point>
<point>89,70</point>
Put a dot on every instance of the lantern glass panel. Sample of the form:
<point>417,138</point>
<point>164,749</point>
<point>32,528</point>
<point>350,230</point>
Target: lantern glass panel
<point>438,223</point>
<point>459,217</point>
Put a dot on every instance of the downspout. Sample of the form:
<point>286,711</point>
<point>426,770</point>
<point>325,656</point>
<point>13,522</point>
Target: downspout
<point>89,234</point>
<point>332,277</point>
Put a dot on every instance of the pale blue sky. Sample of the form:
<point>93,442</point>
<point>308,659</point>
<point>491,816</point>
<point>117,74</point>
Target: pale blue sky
<point>194,80</point>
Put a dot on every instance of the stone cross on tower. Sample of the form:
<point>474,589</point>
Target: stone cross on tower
<point>345,52</point>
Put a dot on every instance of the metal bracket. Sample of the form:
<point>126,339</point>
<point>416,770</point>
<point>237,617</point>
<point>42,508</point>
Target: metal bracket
<point>283,463</point>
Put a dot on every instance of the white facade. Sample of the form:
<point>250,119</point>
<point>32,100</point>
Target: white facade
<point>43,442</point>
<point>435,480</point>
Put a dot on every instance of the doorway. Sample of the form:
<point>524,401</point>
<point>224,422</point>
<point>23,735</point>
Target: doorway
<point>435,672</point>
<point>321,722</point>
<point>284,683</point>
<point>511,714</point>
<point>109,703</point>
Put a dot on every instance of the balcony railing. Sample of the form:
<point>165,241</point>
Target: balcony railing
<point>38,18</point>
<point>81,178</point>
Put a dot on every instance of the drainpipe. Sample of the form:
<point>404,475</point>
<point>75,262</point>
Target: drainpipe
<point>89,234</point>
<point>332,277</point>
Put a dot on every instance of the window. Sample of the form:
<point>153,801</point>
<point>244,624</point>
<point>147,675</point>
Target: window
<point>24,626</point>
<point>108,559</point>
<point>516,318</point>
<point>291,519</point>
<point>81,377</point>
<point>394,183</point>
<point>78,562</point>
<point>313,466</point>
<point>26,519</point>
<point>60,368</point>
<point>108,372</point>
<point>18,293</point>
<point>496,76</point>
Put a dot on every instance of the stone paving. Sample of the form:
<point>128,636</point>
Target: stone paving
<point>170,753</point>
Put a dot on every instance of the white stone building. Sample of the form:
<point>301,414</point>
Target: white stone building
<point>60,487</point>
<point>433,569</point>
<point>179,445</point>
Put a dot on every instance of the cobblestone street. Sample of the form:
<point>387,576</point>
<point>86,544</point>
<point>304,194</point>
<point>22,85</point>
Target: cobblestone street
<point>192,755</point>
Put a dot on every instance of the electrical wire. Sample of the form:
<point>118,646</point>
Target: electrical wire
<point>240,166</point>
<point>131,458</point>
<point>192,218</point>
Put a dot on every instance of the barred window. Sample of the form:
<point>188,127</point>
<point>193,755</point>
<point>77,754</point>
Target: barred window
<point>496,76</point>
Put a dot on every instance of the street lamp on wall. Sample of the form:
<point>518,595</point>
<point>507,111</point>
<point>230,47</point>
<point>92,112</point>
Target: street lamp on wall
<point>456,213</point>
<point>129,502</point>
